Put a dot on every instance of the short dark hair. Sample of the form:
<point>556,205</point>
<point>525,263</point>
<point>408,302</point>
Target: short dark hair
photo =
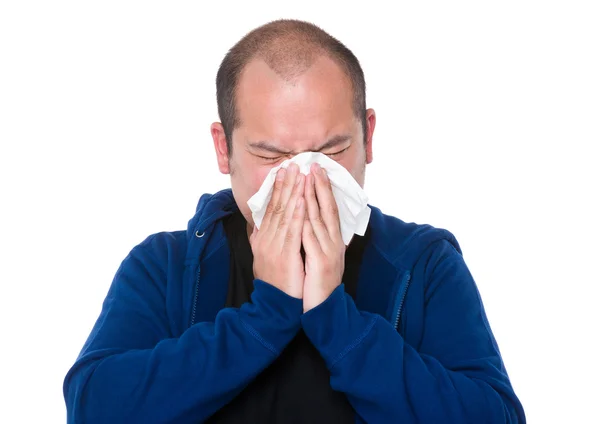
<point>289,47</point>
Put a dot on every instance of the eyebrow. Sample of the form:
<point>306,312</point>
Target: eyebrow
<point>268,147</point>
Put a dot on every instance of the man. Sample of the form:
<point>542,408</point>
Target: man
<point>227,323</point>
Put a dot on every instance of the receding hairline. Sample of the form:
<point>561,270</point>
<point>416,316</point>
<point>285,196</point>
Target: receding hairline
<point>291,55</point>
<point>290,74</point>
<point>289,47</point>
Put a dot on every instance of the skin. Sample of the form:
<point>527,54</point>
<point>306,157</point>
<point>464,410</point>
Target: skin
<point>280,119</point>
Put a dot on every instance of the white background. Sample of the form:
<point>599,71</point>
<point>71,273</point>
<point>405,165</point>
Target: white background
<point>488,121</point>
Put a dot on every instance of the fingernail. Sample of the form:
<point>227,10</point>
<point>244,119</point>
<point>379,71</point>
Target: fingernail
<point>323,171</point>
<point>280,174</point>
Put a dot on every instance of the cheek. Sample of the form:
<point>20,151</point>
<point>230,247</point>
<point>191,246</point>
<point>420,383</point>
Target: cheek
<point>245,184</point>
<point>249,176</point>
<point>259,176</point>
<point>349,162</point>
<point>354,163</point>
<point>254,178</point>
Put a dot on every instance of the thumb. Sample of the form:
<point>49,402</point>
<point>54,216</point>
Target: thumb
<point>254,232</point>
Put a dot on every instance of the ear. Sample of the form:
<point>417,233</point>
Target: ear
<point>221,149</point>
<point>370,130</point>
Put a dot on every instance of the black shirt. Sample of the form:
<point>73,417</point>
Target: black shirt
<point>295,387</point>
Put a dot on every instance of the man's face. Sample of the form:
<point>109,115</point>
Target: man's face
<point>281,119</point>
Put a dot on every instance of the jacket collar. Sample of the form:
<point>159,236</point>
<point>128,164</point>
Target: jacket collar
<point>385,258</point>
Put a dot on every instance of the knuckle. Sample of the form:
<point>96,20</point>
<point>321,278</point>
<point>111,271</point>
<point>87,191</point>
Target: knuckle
<point>286,183</point>
<point>279,209</point>
<point>289,237</point>
<point>274,208</point>
<point>270,208</point>
<point>282,224</point>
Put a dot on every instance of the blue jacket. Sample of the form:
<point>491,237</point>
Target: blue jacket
<point>415,347</point>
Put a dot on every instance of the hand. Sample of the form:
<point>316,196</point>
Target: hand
<point>322,240</point>
<point>276,246</point>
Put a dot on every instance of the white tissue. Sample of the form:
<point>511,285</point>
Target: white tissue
<point>351,199</point>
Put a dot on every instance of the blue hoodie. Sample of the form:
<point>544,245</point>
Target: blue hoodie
<point>415,347</point>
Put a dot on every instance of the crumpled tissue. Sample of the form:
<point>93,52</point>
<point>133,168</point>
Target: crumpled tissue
<point>351,199</point>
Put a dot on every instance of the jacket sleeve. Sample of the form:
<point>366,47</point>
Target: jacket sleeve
<point>132,370</point>
<point>455,375</point>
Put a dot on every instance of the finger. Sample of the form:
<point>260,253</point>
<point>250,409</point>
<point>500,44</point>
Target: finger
<point>327,205</point>
<point>253,235</point>
<point>289,184</point>
<point>311,244</point>
<point>278,185</point>
<point>290,210</point>
<point>275,196</point>
<point>297,194</point>
<point>293,239</point>
<point>313,211</point>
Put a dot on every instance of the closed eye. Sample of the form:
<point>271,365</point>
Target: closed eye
<point>338,153</point>
<point>268,159</point>
<point>275,159</point>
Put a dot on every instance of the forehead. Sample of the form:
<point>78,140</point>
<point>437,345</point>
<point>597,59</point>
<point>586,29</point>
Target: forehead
<point>310,106</point>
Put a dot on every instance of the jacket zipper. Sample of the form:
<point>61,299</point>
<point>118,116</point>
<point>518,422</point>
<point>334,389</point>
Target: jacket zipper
<point>193,320</point>
<point>401,294</point>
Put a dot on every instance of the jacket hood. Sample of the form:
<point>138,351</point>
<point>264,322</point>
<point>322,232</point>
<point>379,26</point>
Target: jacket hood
<point>210,208</point>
